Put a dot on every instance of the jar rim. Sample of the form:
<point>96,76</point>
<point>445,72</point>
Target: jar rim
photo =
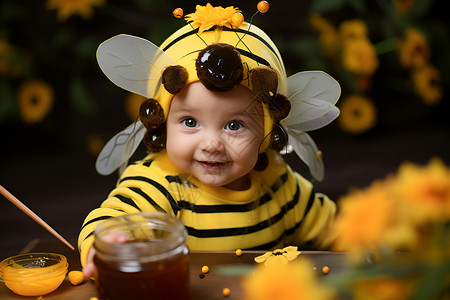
<point>15,268</point>
<point>140,230</point>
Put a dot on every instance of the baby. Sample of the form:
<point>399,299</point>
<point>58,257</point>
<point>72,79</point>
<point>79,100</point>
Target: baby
<point>216,119</point>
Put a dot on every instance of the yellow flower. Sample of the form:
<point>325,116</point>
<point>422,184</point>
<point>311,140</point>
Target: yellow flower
<point>35,99</point>
<point>94,144</point>
<point>291,281</point>
<point>359,56</point>
<point>66,8</point>
<point>9,66</point>
<point>427,84</point>
<point>358,114</point>
<point>132,104</point>
<point>403,6</point>
<point>383,288</point>
<point>278,256</point>
<point>353,29</point>
<point>365,216</point>
<point>413,49</point>
<point>205,17</point>
<point>328,35</point>
<point>424,191</point>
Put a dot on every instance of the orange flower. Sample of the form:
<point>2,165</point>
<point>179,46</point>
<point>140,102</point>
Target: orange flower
<point>291,281</point>
<point>328,36</point>
<point>359,57</point>
<point>427,84</point>
<point>205,17</point>
<point>353,29</point>
<point>413,49</point>
<point>132,104</point>
<point>424,191</point>
<point>35,99</point>
<point>66,8</point>
<point>383,288</point>
<point>358,114</point>
<point>95,144</point>
<point>403,6</point>
<point>365,217</point>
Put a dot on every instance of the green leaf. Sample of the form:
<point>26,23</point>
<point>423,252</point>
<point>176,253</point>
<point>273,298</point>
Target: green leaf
<point>420,9</point>
<point>81,99</point>
<point>433,283</point>
<point>325,6</point>
<point>358,5</point>
<point>8,104</point>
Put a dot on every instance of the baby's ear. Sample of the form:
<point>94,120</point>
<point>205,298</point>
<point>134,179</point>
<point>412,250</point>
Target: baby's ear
<point>174,79</point>
<point>265,83</point>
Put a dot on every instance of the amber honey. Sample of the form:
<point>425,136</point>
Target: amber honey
<point>151,264</point>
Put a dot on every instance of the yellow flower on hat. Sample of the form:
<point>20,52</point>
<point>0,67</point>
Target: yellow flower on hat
<point>278,256</point>
<point>205,17</point>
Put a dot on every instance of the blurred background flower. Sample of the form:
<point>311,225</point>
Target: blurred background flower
<point>397,234</point>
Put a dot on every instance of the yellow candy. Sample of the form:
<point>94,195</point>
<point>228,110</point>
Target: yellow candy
<point>76,277</point>
<point>325,270</point>
<point>238,252</point>
<point>226,292</point>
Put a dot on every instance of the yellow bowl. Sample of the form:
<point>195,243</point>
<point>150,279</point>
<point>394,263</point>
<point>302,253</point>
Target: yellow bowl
<point>34,274</point>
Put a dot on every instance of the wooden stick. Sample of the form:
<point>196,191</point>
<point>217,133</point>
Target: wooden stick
<point>32,215</point>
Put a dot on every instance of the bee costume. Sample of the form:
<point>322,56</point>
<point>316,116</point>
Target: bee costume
<point>221,51</point>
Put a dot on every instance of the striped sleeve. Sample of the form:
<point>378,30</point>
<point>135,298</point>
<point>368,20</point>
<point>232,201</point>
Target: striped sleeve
<point>316,218</point>
<point>135,192</point>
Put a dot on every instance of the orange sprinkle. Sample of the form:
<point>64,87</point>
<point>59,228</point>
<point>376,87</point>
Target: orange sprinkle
<point>226,292</point>
<point>205,269</point>
<point>238,252</point>
<point>325,270</point>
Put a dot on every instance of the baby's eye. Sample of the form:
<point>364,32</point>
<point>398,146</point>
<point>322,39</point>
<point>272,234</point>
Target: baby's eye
<point>234,125</point>
<point>190,122</point>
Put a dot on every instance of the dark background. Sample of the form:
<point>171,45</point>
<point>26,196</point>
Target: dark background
<point>47,165</point>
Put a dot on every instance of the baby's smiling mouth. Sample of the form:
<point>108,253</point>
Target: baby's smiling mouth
<point>213,165</point>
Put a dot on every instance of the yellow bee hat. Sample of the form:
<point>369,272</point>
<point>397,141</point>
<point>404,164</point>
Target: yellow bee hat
<point>222,51</point>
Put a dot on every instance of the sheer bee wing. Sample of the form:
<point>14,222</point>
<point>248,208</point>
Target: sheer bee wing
<point>313,96</point>
<point>306,149</point>
<point>133,63</point>
<point>120,148</point>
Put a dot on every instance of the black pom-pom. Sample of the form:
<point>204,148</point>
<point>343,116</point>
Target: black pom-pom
<point>219,67</point>
<point>262,162</point>
<point>151,114</point>
<point>155,140</point>
<point>279,138</point>
<point>279,107</point>
<point>174,79</point>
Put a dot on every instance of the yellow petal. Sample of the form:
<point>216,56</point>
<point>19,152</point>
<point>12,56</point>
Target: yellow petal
<point>262,258</point>
<point>276,260</point>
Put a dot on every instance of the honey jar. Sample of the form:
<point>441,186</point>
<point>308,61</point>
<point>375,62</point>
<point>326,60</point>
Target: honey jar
<point>141,256</point>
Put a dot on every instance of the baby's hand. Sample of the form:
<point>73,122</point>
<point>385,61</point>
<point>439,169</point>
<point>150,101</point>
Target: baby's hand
<point>113,237</point>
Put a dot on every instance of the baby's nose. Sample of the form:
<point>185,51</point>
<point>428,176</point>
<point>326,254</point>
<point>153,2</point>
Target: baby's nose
<point>212,143</point>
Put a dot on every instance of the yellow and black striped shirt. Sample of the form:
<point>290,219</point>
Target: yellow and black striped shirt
<point>279,208</point>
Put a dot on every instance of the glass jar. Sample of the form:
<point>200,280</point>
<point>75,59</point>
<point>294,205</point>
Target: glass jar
<point>141,256</point>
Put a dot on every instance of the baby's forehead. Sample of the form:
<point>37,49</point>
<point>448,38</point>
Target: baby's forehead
<point>195,96</point>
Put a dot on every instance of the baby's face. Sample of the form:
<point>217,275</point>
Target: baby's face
<point>215,136</point>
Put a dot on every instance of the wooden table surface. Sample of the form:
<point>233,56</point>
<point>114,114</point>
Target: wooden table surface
<point>223,267</point>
